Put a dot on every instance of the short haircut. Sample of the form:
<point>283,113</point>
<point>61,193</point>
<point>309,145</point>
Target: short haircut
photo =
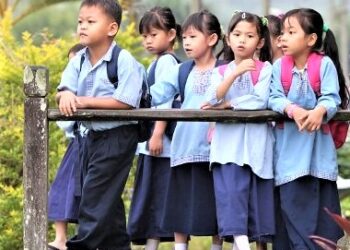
<point>111,7</point>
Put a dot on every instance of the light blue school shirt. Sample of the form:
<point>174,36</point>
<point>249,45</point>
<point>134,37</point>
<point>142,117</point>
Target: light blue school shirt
<point>165,63</point>
<point>302,153</point>
<point>244,143</point>
<point>93,81</point>
<point>189,144</point>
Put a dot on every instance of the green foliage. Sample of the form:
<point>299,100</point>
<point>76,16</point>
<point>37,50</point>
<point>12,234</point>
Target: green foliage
<point>11,206</point>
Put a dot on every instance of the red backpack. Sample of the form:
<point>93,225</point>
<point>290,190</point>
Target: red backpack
<point>338,129</point>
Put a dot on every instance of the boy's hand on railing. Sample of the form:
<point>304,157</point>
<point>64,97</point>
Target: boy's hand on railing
<point>66,102</point>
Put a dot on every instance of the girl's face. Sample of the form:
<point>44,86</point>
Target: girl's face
<point>294,41</point>
<point>244,40</point>
<point>196,44</point>
<point>157,41</point>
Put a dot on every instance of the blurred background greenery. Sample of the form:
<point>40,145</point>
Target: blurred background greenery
<point>40,32</point>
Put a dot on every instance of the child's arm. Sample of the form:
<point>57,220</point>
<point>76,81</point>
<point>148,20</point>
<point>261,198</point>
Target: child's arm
<point>242,67</point>
<point>155,143</point>
<point>329,100</point>
<point>165,89</point>
<point>258,97</point>
<point>100,103</point>
<point>279,102</point>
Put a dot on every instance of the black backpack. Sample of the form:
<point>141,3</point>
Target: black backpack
<point>184,71</point>
<point>144,126</point>
<point>170,127</point>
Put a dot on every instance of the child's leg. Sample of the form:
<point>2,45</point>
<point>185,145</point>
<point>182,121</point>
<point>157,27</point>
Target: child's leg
<point>216,243</point>
<point>261,246</point>
<point>241,242</point>
<point>152,244</point>
<point>181,241</point>
<point>60,235</point>
<point>102,221</point>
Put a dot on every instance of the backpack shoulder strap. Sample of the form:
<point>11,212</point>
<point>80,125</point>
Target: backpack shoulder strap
<point>287,65</point>
<point>151,76</point>
<point>184,70</point>
<point>112,66</point>
<point>222,69</point>
<point>313,70</point>
<point>82,59</point>
<point>256,73</point>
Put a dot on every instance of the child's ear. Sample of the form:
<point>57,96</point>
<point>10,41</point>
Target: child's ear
<point>213,39</point>
<point>113,29</point>
<point>171,34</point>
<point>261,43</point>
<point>311,39</point>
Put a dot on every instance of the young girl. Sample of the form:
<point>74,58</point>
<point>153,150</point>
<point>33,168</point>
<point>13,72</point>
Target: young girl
<point>241,153</point>
<point>274,26</point>
<point>63,202</point>
<point>159,30</point>
<point>305,157</point>
<point>190,204</point>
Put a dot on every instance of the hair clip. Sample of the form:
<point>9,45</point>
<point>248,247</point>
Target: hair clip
<point>243,15</point>
<point>325,27</point>
<point>264,21</point>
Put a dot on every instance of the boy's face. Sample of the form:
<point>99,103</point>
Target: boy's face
<point>95,27</point>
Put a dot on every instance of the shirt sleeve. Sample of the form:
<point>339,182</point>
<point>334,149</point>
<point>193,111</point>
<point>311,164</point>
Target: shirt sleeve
<point>277,100</point>
<point>70,75</point>
<point>259,97</point>
<point>329,98</point>
<point>165,88</point>
<point>130,78</point>
<point>216,79</point>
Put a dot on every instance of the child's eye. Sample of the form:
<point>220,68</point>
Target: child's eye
<point>250,36</point>
<point>192,36</point>
<point>154,34</point>
<point>80,22</point>
<point>235,34</point>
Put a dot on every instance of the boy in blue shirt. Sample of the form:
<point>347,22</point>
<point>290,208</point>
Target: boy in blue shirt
<point>110,145</point>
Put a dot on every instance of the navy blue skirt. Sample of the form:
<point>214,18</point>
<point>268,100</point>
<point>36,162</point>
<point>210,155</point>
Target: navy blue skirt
<point>147,205</point>
<point>244,203</point>
<point>190,203</point>
<point>300,209</point>
<point>63,202</point>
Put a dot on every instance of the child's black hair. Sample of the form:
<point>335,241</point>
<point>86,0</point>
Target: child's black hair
<point>77,47</point>
<point>159,18</point>
<point>111,7</point>
<point>312,22</point>
<point>274,25</point>
<point>262,30</point>
<point>205,22</point>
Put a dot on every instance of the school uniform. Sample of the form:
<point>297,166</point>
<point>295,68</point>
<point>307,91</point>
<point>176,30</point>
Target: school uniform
<point>152,174</point>
<point>63,200</point>
<point>189,204</point>
<point>108,150</point>
<point>241,159</point>
<point>306,163</point>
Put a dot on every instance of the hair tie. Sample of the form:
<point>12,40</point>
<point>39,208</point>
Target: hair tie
<point>264,21</point>
<point>325,28</point>
<point>243,15</point>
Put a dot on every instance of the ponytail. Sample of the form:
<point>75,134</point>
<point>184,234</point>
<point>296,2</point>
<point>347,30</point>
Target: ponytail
<point>330,49</point>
